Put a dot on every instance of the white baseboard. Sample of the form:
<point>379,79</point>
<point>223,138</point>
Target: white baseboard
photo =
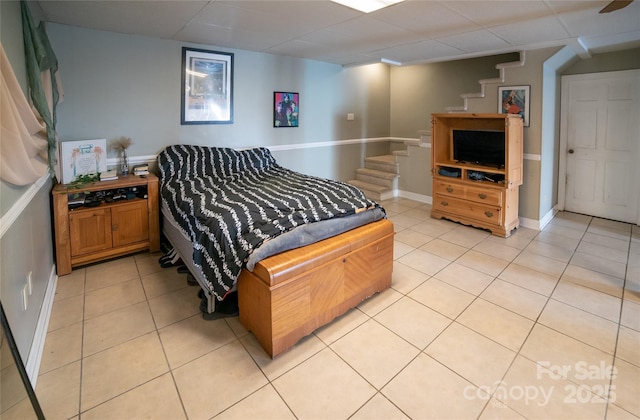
<point>37,346</point>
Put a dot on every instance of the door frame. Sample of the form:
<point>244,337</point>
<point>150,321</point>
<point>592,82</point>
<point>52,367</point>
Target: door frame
<point>562,150</point>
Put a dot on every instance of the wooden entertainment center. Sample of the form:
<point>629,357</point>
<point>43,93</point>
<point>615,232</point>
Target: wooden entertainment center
<point>472,192</point>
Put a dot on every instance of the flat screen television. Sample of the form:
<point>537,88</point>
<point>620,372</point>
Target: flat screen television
<point>480,147</point>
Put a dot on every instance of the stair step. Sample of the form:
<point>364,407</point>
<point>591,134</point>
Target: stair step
<point>385,163</point>
<point>373,191</point>
<point>385,179</point>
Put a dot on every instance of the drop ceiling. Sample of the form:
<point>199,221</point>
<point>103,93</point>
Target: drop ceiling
<point>411,32</point>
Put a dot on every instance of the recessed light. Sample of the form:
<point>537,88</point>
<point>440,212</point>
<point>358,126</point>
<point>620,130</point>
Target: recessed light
<point>367,6</point>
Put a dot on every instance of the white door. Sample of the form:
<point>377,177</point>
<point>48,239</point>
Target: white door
<point>599,147</point>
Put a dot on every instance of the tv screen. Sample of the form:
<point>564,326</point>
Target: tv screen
<point>481,147</point>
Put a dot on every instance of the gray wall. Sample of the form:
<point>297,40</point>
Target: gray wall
<point>27,244</point>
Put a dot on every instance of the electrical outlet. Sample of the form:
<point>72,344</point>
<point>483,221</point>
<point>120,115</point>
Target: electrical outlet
<point>30,282</point>
<point>25,297</point>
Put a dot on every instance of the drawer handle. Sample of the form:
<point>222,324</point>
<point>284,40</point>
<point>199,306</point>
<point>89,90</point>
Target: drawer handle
<point>444,203</point>
<point>488,213</point>
<point>114,228</point>
<point>449,189</point>
<point>482,196</point>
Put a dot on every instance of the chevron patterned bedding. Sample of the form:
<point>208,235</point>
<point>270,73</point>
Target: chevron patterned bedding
<point>229,202</point>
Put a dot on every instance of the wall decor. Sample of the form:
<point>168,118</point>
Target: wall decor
<point>514,100</point>
<point>82,157</point>
<point>207,87</point>
<point>286,109</point>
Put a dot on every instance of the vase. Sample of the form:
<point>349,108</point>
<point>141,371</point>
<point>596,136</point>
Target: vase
<point>125,163</point>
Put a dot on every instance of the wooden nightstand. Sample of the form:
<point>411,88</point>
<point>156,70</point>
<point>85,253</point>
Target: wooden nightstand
<point>88,234</point>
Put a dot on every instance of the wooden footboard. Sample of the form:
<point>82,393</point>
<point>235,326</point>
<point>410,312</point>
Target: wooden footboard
<point>289,295</point>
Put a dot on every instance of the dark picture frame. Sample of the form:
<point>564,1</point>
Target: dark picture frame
<point>286,109</point>
<point>207,87</point>
<point>514,100</point>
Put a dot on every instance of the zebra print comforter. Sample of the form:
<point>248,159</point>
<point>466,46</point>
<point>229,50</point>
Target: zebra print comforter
<point>229,202</point>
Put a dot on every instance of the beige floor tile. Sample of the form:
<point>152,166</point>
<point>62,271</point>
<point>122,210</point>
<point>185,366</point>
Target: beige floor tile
<point>62,347</point>
<point>375,352</point>
<point>568,243</point>
<point>119,369</point>
<point>612,228</point>
<point>607,241</point>
<point>238,329</point>
<point>597,303</point>
<point>616,413</point>
<point>444,249</point>
<point>465,278</point>
<point>193,337</point>
<point>379,408</point>
<point>400,249</point>
<point>284,362</point>
<point>70,285</point>
<point>404,221</point>
<point>341,326</point>
<point>110,273</point>
<point>497,410</point>
<point>483,263</point>
<point>599,264</point>
<point>593,280</point>
<point>442,297</point>
<point>569,232</point>
<point>428,390</point>
<point>412,238</point>
<point>629,345</point>
<point>572,220</point>
<point>567,356</point>
<point>498,250</point>
<point>519,238</point>
<point>529,279</point>
<point>405,278</point>
<point>583,326</point>
<point>175,306</point>
<point>627,387</point>
<point>107,299</point>
<point>58,391</point>
<point>116,327</point>
<point>66,312</point>
<point>480,360</point>
<point>630,315</point>
<point>264,404</point>
<point>413,321</point>
<point>536,393</point>
<point>424,261</point>
<point>500,325</point>
<point>148,263</point>
<point>163,282</point>
<point>515,298</point>
<point>422,212</point>
<point>550,251</point>
<point>379,302</point>
<point>338,391</point>
<point>541,263</point>
<point>156,399</point>
<point>217,380</point>
<point>465,236</point>
<point>433,227</point>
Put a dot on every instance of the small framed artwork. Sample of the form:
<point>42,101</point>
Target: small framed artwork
<point>82,157</point>
<point>514,100</point>
<point>286,109</point>
<point>207,87</point>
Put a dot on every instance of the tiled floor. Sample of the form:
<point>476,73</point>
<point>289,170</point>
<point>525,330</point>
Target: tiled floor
<point>474,326</point>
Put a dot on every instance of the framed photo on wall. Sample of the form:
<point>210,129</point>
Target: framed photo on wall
<point>207,87</point>
<point>286,109</point>
<point>514,100</point>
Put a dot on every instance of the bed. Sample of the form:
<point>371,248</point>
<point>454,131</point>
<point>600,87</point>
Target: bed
<point>299,250</point>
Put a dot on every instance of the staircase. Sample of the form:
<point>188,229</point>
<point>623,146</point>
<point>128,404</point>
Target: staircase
<point>378,178</point>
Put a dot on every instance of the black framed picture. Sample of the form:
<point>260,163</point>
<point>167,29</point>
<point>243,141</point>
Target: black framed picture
<point>207,87</point>
<point>286,109</point>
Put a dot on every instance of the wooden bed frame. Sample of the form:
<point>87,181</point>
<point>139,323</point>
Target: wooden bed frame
<point>289,295</point>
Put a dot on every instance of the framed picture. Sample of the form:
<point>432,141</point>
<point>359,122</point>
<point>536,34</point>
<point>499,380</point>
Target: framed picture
<point>207,87</point>
<point>82,157</point>
<point>514,100</point>
<point>286,109</point>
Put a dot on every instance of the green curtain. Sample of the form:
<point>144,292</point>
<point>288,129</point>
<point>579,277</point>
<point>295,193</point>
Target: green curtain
<point>39,58</point>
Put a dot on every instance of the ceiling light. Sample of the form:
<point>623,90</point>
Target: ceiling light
<point>367,6</point>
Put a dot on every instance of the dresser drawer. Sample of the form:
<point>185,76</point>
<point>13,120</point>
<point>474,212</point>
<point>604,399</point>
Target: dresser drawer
<point>468,209</point>
<point>480,195</point>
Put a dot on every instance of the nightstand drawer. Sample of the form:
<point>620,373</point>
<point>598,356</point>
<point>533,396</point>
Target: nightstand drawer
<point>468,209</point>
